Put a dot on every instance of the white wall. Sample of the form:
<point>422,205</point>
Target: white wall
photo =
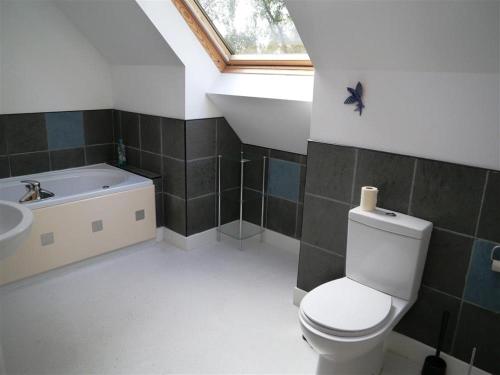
<point>157,90</point>
<point>47,65</point>
<point>200,71</point>
<point>147,76</point>
<point>430,71</point>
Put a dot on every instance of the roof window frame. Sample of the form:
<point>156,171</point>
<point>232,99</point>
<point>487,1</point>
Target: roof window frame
<point>226,62</point>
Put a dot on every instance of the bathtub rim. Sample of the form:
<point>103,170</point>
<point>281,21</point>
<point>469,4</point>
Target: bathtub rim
<point>131,181</point>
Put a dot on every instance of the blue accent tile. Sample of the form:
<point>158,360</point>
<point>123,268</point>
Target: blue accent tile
<point>483,285</point>
<point>284,179</point>
<point>64,130</point>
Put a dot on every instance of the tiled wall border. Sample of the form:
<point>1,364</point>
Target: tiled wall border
<point>423,188</point>
<point>26,147</point>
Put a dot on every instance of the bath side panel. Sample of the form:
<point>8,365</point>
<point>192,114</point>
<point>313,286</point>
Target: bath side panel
<point>74,231</point>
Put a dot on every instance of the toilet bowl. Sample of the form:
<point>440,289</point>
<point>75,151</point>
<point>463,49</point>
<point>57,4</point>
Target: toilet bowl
<point>349,337</point>
<point>347,320</point>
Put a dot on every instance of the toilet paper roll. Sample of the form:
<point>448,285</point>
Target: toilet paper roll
<point>368,198</point>
<point>495,259</point>
<point>495,266</point>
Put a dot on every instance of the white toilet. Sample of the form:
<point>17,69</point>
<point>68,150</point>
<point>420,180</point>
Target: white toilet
<point>347,320</point>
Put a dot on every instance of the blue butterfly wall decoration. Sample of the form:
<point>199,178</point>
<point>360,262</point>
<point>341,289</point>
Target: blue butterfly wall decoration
<point>356,97</point>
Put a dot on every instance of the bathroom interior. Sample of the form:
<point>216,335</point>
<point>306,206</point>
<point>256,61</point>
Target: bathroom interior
<point>249,186</point>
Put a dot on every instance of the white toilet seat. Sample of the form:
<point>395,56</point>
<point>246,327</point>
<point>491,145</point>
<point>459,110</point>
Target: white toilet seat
<point>344,307</point>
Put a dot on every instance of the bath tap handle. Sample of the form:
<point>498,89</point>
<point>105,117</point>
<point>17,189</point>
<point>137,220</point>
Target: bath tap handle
<point>31,183</point>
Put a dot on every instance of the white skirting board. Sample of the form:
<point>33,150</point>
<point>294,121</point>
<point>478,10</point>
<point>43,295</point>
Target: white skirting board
<point>208,237</point>
<point>412,349</point>
<point>192,242</point>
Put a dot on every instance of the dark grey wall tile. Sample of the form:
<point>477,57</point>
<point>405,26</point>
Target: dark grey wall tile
<point>201,177</point>
<point>3,143</point>
<point>253,168</point>
<point>281,215</point>
<point>174,173</point>
<point>479,328</point>
<point>302,183</point>
<point>325,224</point>
<point>200,214</point>
<point>330,170</point>
<point>150,133</point>
<point>298,224</point>
<point>447,262</point>
<point>99,154</point>
<point>71,158</point>
<point>4,167</point>
<point>422,321</point>
<point>98,126</point>
<point>159,210</point>
<point>228,142</point>
<point>35,162</point>
<point>200,138</point>
<point>230,206</point>
<point>252,206</point>
<point>254,152</point>
<point>449,195</point>
<point>391,174</point>
<point>133,156</point>
<point>175,213</point>
<point>230,175</point>
<point>117,129</point>
<point>130,128</point>
<point>158,183</point>
<point>25,132</point>
<point>172,133</point>
<point>490,215</point>
<point>253,173</point>
<point>288,156</point>
<point>317,267</point>
<point>151,162</point>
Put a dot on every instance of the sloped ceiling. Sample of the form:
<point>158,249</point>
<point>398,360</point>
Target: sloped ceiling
<point>267,110</point>
<point>277,124</point>
<point>120,31</point>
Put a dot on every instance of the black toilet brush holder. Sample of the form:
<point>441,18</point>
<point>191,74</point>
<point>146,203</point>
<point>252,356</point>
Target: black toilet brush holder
<point>434,364</point>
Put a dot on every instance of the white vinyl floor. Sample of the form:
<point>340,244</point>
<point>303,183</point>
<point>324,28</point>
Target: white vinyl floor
<point>153,309</point>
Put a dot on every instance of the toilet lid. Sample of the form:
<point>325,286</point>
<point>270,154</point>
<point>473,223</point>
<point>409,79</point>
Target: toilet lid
<point>347,307</point>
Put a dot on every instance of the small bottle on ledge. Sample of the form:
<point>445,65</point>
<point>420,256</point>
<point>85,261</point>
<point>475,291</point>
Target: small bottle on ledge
<point>122,159</point>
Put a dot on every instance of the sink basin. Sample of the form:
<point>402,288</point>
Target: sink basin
<point>15,225</point>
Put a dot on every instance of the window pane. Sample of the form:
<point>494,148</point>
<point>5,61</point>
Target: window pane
<point>254,26</point>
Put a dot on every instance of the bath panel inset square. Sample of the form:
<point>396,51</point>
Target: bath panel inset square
<point>139,215</point>
<point>47,238</point>
<point>97,226</point>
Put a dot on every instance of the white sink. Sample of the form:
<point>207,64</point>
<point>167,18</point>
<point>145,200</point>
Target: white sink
<point>15,225</point>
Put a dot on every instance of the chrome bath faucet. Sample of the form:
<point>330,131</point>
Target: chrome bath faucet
<point>34,192</point>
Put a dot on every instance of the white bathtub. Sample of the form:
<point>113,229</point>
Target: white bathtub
<point>73,184</point>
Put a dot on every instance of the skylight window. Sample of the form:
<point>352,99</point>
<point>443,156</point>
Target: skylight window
<point>245,34</point>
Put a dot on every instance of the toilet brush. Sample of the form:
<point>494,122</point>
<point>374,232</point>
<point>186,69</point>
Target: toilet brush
<point>434,364</point>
